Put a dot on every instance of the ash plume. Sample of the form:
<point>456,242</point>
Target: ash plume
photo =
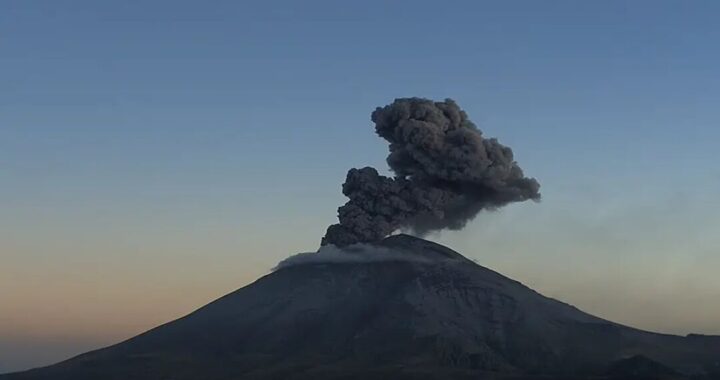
<point>446,172</point>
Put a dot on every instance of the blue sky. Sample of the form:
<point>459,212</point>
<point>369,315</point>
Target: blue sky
<point>188,146</point>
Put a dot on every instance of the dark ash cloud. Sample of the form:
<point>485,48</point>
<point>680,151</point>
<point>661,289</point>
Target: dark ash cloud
<point>446,172</point>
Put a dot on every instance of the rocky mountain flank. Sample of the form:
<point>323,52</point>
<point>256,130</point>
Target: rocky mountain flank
<point>422,312</point>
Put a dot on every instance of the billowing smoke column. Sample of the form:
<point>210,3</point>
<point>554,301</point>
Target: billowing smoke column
<point>445,173</point>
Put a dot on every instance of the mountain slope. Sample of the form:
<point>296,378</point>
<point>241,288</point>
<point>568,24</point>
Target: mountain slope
<point>424,312</point>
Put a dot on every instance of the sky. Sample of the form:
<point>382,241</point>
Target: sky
<point>156,155</point>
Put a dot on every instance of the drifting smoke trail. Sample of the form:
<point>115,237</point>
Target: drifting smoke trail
<point>358,253</point>
<point>445,173</point>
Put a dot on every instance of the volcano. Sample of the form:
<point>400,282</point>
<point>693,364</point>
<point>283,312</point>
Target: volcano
<point>401,308</point>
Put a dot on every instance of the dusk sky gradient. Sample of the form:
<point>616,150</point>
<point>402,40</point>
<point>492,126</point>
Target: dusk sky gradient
<point>155,155</point>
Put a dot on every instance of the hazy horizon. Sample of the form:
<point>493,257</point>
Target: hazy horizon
<point>156,156</point>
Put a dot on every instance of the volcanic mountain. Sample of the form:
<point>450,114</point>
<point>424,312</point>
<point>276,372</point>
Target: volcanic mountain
<point>402,308</point>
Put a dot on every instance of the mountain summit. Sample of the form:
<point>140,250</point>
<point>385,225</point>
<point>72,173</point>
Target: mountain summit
<point>402,308</point>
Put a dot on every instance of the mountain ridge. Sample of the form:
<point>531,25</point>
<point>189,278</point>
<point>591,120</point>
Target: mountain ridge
<point>442,317</point>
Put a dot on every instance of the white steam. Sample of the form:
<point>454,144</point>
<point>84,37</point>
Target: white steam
<point>355,253</point>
